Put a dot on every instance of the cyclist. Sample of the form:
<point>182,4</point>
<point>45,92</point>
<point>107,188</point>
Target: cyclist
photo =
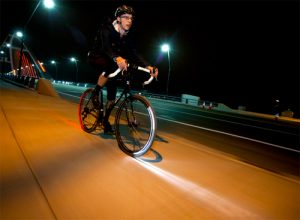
<point>113,47</point>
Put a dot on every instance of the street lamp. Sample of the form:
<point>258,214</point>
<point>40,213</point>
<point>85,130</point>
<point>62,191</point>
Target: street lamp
<point>166,49</point>
<point>73,59</point>
<point>48,4</point>
<point>2,59</point>
<point>54,63</point>
<point>19,34</point>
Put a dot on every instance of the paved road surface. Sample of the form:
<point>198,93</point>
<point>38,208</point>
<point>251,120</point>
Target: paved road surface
<point>50,169</point>
<point>255,138</point>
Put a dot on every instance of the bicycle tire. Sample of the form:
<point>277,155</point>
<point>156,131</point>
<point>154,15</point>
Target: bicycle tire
<point>88,113</point>
<point>136,125</point>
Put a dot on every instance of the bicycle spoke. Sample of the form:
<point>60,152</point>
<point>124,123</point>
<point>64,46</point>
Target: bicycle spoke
<point>135,126</point>
<point>88,113</point>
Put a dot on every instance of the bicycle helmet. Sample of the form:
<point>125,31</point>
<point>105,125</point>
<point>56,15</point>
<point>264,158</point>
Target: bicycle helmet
<point>124,9</point>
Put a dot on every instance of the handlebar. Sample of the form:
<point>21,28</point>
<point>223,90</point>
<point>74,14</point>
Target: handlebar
<point>136,68</point>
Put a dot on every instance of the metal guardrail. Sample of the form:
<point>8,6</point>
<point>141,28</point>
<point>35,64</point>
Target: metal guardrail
<point>201,103</point>
<point>204,104</point>
<point>26,81</point>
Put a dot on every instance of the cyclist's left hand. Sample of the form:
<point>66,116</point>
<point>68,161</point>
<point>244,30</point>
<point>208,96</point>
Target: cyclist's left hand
<point>153,71</point>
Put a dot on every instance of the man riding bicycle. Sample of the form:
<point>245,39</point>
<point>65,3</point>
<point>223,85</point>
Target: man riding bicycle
<point>113,47</point>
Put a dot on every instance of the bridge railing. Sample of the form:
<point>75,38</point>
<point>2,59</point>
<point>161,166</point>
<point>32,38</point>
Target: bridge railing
<point>26,81</point>
<point>184,98</point>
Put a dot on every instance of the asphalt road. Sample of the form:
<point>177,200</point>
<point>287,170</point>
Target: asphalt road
<point>51,169</point>
<point>265,143</point>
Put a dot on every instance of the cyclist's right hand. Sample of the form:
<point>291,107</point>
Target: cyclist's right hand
<point>121,62</point>
<point>153,71</point>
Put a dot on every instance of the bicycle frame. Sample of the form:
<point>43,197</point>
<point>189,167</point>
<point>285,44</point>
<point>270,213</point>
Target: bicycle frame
<point>126,92</point>
<point>135,119</point>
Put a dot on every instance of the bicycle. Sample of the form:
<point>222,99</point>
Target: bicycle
<point>135,119</point>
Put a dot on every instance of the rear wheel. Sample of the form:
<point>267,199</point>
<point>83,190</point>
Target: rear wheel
<point>135,126</point>
<point>88,111</point>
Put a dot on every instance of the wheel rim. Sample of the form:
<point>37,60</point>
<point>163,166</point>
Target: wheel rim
<point>88,114</point>
<point>135,132</point>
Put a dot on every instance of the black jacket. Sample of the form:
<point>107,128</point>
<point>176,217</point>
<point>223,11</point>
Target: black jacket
<point>109,45</point>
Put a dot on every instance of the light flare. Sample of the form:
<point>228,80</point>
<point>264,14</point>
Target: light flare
<point>216,202</point>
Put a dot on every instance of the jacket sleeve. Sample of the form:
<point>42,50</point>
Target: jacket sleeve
<point>138,58</point>
<point>135,55</point>
<point>108,44</point>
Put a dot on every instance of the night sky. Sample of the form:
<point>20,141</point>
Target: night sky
<point>234,52</point>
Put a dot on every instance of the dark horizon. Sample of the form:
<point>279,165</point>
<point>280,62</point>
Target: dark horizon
<point>235,52</point>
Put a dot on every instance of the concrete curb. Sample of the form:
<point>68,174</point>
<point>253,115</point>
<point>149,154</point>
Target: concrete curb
<point>45,87</point>
<point>41,85</point>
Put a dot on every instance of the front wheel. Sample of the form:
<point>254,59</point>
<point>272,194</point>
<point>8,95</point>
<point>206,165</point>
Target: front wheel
<point>135,126</point>
<point>88,112</point>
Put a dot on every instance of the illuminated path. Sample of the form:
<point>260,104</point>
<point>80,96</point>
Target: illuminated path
<point>50,169</point>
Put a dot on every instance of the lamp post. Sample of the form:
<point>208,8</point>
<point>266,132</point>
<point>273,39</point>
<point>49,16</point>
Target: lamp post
<point>166,48</point>
<point>20,35</point>
<point>73,59</point>
<point>2,60</point>
<point>48,4</point>
<point>54,63</point>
